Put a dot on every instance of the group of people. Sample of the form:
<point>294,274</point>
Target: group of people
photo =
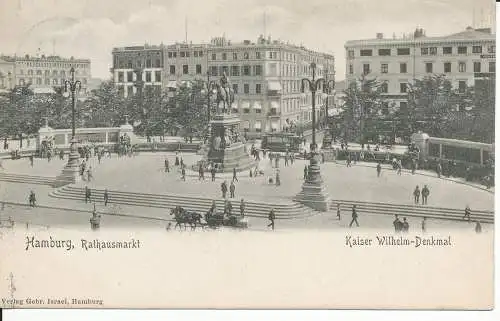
<point>424,193</point>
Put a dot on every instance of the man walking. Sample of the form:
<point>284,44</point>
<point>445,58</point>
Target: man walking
<point>424,224</point>
<point>234,175</point>
<point>416,194</point>
<point>398,225</point>
<point>379,169</point>
<point>183,174</point>
<point>167,166</point>
<point>305,172</point>
<point>439,169</point>
<point>406,226</point>
<point>106,197</point>
<point>223,188</point>
<point>242,208</point>
<point>467,213</point>
<point>231,189</point>
<point>354,216</point>
<point>271,218</point>
<point>31,160</point>
<point>338,211</point>
<point>212,171</point>
<point>32,199</point>
<point>425,194</point>
<point>87,194</point>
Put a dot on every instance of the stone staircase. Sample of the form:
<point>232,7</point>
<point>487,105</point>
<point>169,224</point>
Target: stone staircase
<point>27,179</point>
<point>285,210</point>
<point>412,211</point>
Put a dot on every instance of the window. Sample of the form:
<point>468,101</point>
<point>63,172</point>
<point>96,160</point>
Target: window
<point>403,87</point>
<point>200,53</point>
<point>350,54</point>
<point>491,49</point>
<point>366,69</point>
<point>403,51</point>
<point>214,56</point>
<point>172,69</point>
<point>384,68</point>
<point>258,88</point>
<point>365,52</point>
<point>477,49</point>
<point>47,81</point>
<point>245,55</point>
<point>424,51</point>
<point>39,81</point>
<point>477,66</point>
<point>403,105</point>
<point>130,76</point>
<point>351,69</point>
<point>225,70</point>
<point>157,63</point>
<point>185,69</point>
<point>384,87</point>
<point>462,50</point>
<point>246,88</point>
<point>462,67</point>
<point>433,51</point>
<point>384,52</point>
<point>235,70</point>
<point>195,54</point>
<point>257,55</point>
<point>148,63</point>
<point>170,54</point>
<point>198,69</point>
<point>447,67</point>
<point>183,54</point>
<point>246,70</point>
<point>213,70</point>
<point>402,68</point>
<point>462,85</point>
<point>447,50</point>
<point>428,67</point>
<point>235,88</point>
<point>491,66</point>
<point>258,70</point>
<point>148,76</point>
<point>157,76</point>
<point>120,76</point>
<point>224,56</point>
<point>235,56</point>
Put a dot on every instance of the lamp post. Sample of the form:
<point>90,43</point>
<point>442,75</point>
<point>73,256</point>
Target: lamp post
<point>328,88</point>
<point>70,173</point>
<point>313,193</point>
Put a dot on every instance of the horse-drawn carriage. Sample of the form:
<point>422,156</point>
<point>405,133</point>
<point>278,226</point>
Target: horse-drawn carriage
<point>184,218</point>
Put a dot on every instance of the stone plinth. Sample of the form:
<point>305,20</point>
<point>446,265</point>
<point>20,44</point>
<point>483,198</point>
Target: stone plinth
<point>226,145</point>
<point>71,172</point>
<point>313,192</point>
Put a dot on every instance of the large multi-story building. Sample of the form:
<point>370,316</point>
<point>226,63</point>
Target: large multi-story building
<point>462,57</point>
<point>43,73</point>
<point>265,75</point>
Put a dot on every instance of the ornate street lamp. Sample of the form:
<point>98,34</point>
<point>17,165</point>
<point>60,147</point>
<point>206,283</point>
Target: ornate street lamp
<point>313,193</point>
<point>328,89</point>
<point>70,173</point>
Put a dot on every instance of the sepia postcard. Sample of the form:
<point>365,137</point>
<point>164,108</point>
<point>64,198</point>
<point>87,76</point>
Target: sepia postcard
<point>247,154</point>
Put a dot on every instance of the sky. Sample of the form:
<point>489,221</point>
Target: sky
<point>91,28</point>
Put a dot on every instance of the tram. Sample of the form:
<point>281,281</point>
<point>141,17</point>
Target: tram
<point>281,142</point>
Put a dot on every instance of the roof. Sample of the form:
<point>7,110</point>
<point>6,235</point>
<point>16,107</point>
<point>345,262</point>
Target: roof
<point>467,35</point>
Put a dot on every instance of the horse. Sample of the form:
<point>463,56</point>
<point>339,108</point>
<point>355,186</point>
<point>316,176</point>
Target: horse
<point>180,217</point>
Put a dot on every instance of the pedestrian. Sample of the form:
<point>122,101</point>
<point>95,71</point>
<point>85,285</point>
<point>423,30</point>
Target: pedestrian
<point>212,171</point>
<point>354,216</point>
<point>305,172</point>
<point>202,172</point>
<point>95,220</point>
<point>231,189</point>
<point>182,163</point>
<point>87,194</point>
<point>467,213</point>
<point>399,166</point>
<point>32,199</point>
<point>89,174</point>
<point>223,188</point>
<point>416,194</point>
<point>271,218</point>
<point>177,159</point>
<point>167,166</point>
<point>478,227</point>
<point>406,226</point>
<point>286,158</point>
<point>242,208</point>
<point>379,169</point>
<point>278,180</point>
<point>439,170</point>
<point>424,224</point>
<point>338,211</point>
<point>425,194</point>
<point>413,166</point>
<point>398,225</point>
<point>99,156</point>
<point>106,197</point>
<point>234,175</point>
<point>183,174</point>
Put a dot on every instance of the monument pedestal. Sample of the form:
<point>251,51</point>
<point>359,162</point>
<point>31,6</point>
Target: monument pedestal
<point>226,145</point>
<point>71,172</point>
<point>313,192</point>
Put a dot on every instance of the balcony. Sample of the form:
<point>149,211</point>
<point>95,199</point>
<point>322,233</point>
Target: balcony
<point>273,113</point>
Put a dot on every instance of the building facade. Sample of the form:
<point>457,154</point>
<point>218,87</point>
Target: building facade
<point>7,81</point>
<point>43,73</point>
<point>265,76</point>
<point>463,58</point>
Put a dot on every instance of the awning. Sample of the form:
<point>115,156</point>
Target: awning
<point>44,90</point>
<point>257,124</point>
<point>274,85</point>
<point>275,105</point>
<point>172,84</point>
<point>257,105</point>
<point>274,125</point>
<point>245,104</point>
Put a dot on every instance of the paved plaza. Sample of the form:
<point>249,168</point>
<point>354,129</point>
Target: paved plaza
<point>145,173</point>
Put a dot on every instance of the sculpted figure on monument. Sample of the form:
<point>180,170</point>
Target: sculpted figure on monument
<point>225,95</point>
<point>217,143</point>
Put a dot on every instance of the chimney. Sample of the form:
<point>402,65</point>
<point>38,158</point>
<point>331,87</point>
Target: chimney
<point>380,35</point>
